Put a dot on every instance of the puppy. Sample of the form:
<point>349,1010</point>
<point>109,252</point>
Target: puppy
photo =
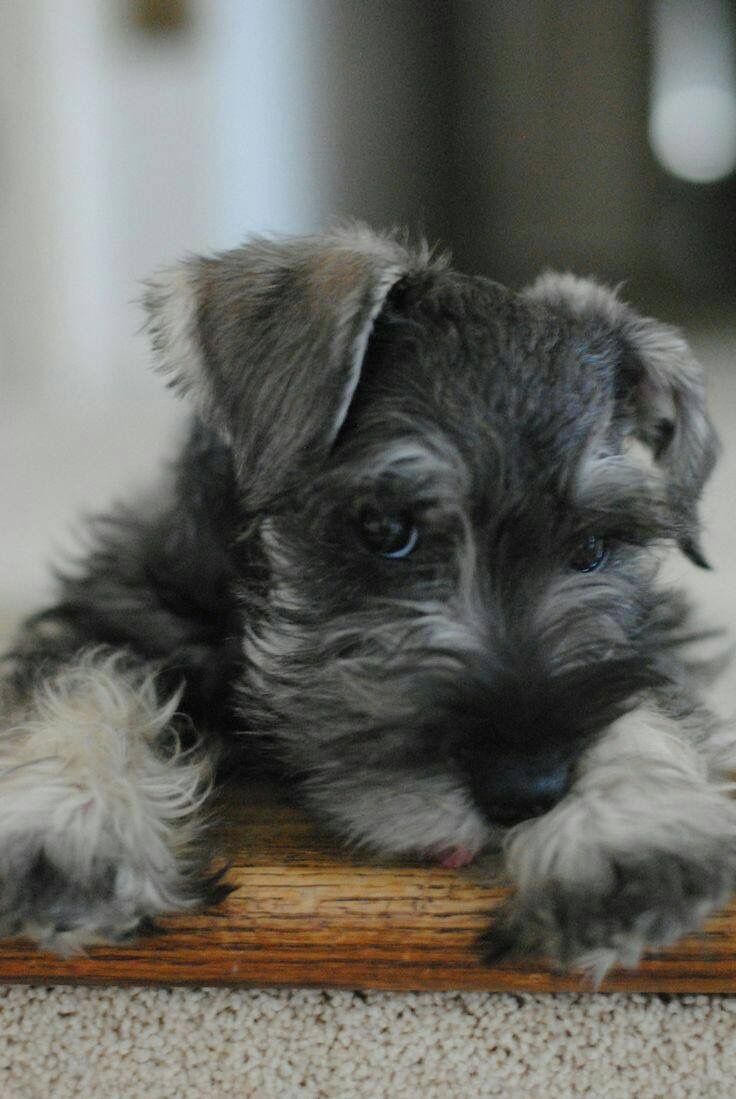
<point>411,544</point>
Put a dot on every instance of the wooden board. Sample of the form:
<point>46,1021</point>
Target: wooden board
<point>303,914</point>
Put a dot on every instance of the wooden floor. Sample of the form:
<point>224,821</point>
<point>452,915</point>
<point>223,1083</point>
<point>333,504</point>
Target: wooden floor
<point>303,915</point>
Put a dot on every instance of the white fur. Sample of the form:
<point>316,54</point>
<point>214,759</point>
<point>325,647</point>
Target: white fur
<point>173,303</point>
<point>629,792</point>
<point>424,815</point>
<point>430,463</point>
<point>84,782</point>
<point>634,469</point>
<point>380,288</point>
<point>642,793</point>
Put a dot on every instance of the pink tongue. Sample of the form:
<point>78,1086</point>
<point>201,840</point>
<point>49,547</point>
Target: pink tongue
<point>454,857</point>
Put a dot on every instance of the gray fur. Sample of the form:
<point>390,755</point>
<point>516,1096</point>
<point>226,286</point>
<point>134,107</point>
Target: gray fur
<point>514,660</point>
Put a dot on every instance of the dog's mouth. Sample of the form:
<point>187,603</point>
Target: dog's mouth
<point>452,858</point>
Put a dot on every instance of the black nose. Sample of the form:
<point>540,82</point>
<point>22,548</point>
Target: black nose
<point>512,790</point>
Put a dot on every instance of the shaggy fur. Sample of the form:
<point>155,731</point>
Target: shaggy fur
<point>411,546</point>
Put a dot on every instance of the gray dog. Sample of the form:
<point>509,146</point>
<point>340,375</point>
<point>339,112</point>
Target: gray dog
<point>410,545</point>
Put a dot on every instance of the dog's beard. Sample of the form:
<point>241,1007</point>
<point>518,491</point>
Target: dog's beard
<point>401,718</point>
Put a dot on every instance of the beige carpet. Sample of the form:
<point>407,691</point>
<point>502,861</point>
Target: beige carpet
<point>166,1044</point>
<point>161,1044</point>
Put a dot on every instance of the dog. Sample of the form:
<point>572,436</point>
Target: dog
<point>411,547</point>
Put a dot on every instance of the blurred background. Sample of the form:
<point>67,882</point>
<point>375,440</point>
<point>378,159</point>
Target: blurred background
<point>523,134</point>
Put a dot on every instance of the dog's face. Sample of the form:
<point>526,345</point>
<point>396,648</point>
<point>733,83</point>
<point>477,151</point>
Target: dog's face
<point>457,491</point>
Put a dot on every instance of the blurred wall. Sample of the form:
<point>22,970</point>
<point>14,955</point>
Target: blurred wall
<point>515,132</point>
<point>121,149</point>
<point>553,167</point>
<point>104,139</point>
<point>390,76</point>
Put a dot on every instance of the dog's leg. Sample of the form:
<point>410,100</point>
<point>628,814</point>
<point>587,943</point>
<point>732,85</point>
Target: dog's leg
<point>111,703</point>
<point>639,852</point>
<point>100,805</point>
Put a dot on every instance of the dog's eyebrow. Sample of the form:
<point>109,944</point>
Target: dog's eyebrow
<point>629,519</point>
<point>400,469</point>
<point>616,474</point>
<point>615,492</point>
<point>430,465</point>
<point>631,504</point>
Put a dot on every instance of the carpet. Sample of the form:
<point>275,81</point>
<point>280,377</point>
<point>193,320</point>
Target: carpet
<point>197,1043</point>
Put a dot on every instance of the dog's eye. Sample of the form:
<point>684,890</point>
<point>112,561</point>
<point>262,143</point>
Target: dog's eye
<point>389,534</point>
<point>590,555</point>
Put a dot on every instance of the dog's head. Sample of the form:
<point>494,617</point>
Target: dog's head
<point>457,490</point>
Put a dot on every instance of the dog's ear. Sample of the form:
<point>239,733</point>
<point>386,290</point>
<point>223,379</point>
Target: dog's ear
<point>660,390</point>
<point>268,341</point>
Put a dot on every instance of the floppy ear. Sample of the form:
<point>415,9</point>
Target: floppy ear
<point>660,389</point>
<point>268,341</point>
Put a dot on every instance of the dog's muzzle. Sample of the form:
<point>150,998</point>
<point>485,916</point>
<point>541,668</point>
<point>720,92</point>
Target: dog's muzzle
<point>509,786</point>
<point>516,788</point>
<point>516,739</point>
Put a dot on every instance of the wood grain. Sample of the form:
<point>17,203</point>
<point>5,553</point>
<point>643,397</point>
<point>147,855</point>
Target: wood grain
<point>305,914</point>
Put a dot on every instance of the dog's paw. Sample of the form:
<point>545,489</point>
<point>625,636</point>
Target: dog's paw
<point>99,811</point>
<point>637,901</point>
<point>596,889</point>
<point>66,908</point>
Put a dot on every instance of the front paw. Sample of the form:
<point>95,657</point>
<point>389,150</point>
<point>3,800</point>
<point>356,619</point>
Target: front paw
<point>78,879</point>
<point>633,902</point>
<point>67,906</point>
<point>591,927</point>
<point>100,823</point>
